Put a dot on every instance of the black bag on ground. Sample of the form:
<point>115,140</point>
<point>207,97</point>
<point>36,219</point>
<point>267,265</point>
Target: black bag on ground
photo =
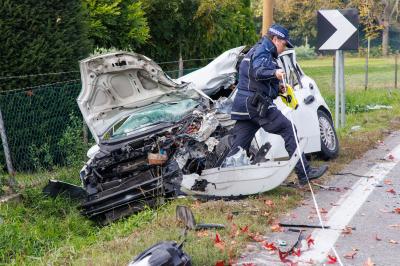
<point>166,253</point>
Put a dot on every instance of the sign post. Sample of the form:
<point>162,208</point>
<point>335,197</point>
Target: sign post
<point>337,31</point>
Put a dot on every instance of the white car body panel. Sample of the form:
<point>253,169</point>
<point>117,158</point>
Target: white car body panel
<point>218,73</point>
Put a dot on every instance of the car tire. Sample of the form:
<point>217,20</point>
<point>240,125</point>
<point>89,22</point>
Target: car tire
<point>329,139</point>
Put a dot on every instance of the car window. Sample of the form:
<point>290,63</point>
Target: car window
<point>154,114</point>
<point>293,74</point>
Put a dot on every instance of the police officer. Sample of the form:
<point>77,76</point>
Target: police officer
<point>253,107</point>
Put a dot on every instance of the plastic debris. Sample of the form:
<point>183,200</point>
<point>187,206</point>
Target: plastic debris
<point>224,105</point>
<point>379,106</point>
<point>208,126</point>
<point>238,159</point>
<point>211,143</point>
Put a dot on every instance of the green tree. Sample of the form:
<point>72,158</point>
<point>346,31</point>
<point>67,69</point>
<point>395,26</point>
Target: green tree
<point>119,24</point>
<point>379,14</point>
<point>197,28</point>
<point>39,36</point>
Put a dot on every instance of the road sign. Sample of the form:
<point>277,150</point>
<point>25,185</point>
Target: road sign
<point>337,29</point>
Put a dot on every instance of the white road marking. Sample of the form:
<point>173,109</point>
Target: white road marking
<point>340,216</point>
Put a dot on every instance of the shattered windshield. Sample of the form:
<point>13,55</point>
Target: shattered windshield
<point>155,114</point>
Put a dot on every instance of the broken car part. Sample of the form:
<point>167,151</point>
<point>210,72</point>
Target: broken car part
<point>185,215</point>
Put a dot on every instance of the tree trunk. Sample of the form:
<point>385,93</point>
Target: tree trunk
<point>385,39</point>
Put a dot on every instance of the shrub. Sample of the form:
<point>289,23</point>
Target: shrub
<point>305,52</point>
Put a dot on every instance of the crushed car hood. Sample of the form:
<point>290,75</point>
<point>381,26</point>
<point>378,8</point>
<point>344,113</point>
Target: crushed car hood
<point>118,84</point>
<point>221,72</point>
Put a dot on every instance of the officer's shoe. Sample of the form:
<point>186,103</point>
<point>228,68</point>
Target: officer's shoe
<point>316,172</point>
<point>313,173</point>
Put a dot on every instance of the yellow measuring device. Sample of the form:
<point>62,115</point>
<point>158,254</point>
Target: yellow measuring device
<point>289,98</point>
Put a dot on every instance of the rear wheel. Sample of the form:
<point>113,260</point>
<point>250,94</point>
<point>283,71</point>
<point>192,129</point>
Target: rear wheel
<point>329,140</point>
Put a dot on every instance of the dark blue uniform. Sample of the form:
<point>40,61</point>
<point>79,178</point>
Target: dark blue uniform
<point>257,74</point>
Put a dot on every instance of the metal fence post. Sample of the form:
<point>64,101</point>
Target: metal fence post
<point>7,154</point>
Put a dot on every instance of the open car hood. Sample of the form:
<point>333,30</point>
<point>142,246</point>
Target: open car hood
<point>116,85</point>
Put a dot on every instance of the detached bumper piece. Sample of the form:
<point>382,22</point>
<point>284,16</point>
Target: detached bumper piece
<point>124,200</point>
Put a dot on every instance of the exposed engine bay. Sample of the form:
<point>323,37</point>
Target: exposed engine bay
<point>124,178</point>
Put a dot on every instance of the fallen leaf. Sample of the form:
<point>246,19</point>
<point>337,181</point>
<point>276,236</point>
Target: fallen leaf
<point>323,210</point>
<point>283,258</point>
<point>244,229</point>
<point>217,238</point>
<point>391,241</point>
<point>391,157</point>
<point>391,191</point>
<point>269,203</point>
<point>195,205</point>
<point>369,262</point>
<point>276,228</point>
<point>347,230</point>
<point>377,238</point>
<point>350,255</point>
<point>220,263</point>
<point>331,260</point>
<point>397,210</point>
<point>394,225</point>
<point>269,246</point>
<point>310,241</point>
<point>218,243</point>
<point>297,252</point>
<point>202,233</point>
<point>387,182</point>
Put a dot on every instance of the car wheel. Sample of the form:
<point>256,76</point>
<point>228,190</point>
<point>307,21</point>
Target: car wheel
<point>329,140</point>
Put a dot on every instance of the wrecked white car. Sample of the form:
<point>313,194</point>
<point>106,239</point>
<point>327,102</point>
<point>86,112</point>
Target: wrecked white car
<point>157,137</point>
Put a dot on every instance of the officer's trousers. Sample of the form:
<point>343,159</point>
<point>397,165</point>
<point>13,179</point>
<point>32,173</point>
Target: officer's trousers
<point>276,123</point>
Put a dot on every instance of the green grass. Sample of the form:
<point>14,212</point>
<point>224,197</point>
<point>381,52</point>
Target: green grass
<point>40,230</point>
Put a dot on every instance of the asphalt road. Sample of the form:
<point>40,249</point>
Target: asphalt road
<point>361,209</point>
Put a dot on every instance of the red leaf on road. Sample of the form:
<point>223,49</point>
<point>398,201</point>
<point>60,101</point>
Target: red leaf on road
<point>347,230</point>
<point>391,191</point>
<point>297,252</point>
<point>269,246</point>
<point>310,241</point>
<point>283,258</point>
<point>323,210</point>
<point>220,263</point>
<point>397,210</point>
<point>331,260</point>
<point>388,182</point>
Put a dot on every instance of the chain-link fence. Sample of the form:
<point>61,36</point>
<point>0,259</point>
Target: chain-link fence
<point>38,122</point>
